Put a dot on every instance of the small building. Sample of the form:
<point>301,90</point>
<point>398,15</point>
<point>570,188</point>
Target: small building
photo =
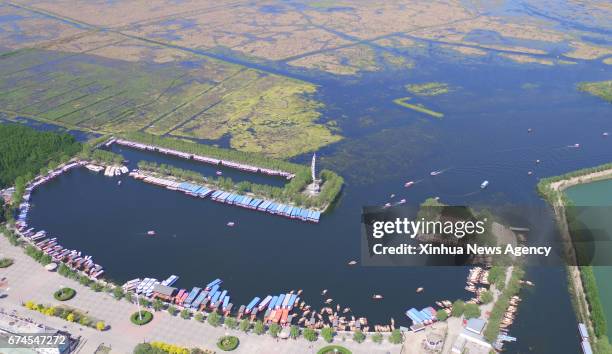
<point>475,325</point>
<point>164,292</point>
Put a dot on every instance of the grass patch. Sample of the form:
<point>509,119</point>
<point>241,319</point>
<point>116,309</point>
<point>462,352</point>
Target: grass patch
<point>333,349</point>
<point>64,294</point>
<point>228,343</point>
<point>6,262</point>
<point>141,320</point>
<point>428,88</point>
<point>417,107</point>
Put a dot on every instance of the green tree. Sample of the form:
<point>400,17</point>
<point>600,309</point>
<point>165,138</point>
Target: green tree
<point>118,293</point>
<point>486,297</point>
<point>259,328</point>
<point>230,322</point>
<point>458,308</point>
<point>158,305</point>
<point>310,334</point>
<point>186,314</point>
<point>471,311</point>
<point>274,330</point>
<point>328,334</point>
<point>214,319</point>
<point>441,315</point>
<point>294,332</point>
<point>358,336</point>
<point>245,325</point>
<point>172,310</point>
<point>396,337</point>
<point>377,338</point>
<point>97,287</point>
<point>199,317</point>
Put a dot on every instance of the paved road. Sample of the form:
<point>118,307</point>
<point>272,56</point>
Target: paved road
<point>28,280</point>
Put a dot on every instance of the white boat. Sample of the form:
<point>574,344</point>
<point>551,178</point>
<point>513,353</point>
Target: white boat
<point>435,173</point>
<point>484,184</point>
<point>408,184</point>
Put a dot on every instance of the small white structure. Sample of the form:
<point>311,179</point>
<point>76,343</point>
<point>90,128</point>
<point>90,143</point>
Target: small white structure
<point>314,188</point>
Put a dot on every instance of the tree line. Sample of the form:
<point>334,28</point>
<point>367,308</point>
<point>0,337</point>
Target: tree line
<point>25,152</point>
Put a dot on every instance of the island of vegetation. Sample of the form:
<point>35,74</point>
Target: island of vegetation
<point>428,88</point>
<point>417,107</point>
<point>581,279</point>
<point>602,89</point>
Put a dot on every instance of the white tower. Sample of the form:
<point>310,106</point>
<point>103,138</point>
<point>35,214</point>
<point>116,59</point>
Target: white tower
<point>314,187</point>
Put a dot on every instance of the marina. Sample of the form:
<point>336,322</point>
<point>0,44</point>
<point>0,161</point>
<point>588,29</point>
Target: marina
<point>192,241</point>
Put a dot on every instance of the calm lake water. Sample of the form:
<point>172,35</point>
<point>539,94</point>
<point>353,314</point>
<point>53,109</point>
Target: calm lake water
<point>483,135</point>
<point>597,194</point>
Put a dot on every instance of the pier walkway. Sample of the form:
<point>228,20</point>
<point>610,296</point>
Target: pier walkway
<point>28,280</point>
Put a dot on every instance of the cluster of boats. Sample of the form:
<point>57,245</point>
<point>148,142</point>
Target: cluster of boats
<point>112,171</point>
<point>284,309</point>
<point>200,158</point>
<point>221,196</point>
<point>41,240</point>
<point>475,277</point>
<point>510,313</point>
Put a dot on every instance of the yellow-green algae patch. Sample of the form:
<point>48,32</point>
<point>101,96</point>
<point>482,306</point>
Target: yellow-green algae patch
<point>602,89</point>
<point>428,88</point>
<point>272,115</point>
<point>417,107</point>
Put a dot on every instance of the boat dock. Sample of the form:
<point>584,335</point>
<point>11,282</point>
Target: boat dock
<point>231,198</point>
<point>41,240</point>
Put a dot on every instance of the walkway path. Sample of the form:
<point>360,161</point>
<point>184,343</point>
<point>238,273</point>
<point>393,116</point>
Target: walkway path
<point>27,280</point>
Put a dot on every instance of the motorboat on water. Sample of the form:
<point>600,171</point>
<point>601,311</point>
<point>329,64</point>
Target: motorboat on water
<point>408,184</point>
<point>484,184</point>
<point>435,173</point>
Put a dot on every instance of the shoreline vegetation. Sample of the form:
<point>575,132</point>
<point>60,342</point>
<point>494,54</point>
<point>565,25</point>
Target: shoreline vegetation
<point>417,107</point>
<point>292,192</point>
<point>582,282</point>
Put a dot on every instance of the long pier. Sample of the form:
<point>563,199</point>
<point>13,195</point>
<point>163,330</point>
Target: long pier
<point>201,158</point>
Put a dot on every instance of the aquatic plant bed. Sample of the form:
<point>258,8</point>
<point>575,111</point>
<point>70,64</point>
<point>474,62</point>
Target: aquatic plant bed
<point>141,320</point>
<point>228,343</point>
<point>417,107</point>
<point>6,262</point>
<point>333,349</point>
<point>64,294</point>
<point>291,193</point>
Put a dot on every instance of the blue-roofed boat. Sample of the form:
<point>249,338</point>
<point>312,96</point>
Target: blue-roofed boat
<point>265,302</point>
<point>171,280</point>
<point>252,304</point>
<point>272,303</point>
<point>192,295</point>
<point>291,301</point>
<point>198,301</point>
<point>213,290</point>
<point>213,283</point>
<point>279,302</point>
<point>226,300</point>
<point>215,298</point>
<point>223,294</point>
